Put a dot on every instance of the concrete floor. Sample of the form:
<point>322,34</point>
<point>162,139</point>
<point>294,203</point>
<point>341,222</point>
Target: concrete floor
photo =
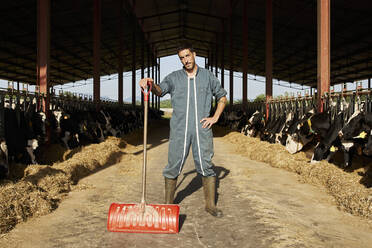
<point>263,207</point>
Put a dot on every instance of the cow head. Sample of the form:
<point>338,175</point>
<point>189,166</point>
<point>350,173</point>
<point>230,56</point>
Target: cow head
<point>255,123</point>
<point>32,145</point>
<point>39,126</point>
<point>321,151</point>
<point>58,116</point>
<point>352,127</point>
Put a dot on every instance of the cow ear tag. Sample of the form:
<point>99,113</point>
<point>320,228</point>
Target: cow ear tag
<point>333,149</point>
<point>362,135</point>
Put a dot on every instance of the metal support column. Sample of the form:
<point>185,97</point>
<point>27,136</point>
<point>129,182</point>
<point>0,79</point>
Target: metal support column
<point>216,57</point>
<point>269,55</point>
<point>209,60</point>
<point>153,98</point>
<point>159,80</point>
<point>155,78</point>
<point>369,83</point>
<point>216,68</point>
<point>134,68</point>
<point>96,49</point>
<point>121,41</point>
<point>211,64</point>
<point>245,52</point>
<point>231,58</point>
<point>43,51</point>
<point>324,49</point>
<point>223,56</point>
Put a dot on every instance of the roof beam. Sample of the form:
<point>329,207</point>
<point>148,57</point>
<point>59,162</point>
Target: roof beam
<point>182,26</point>
<point>177,12</point>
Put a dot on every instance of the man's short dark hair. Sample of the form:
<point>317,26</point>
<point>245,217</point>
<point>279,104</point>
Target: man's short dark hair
<point>185,45</point>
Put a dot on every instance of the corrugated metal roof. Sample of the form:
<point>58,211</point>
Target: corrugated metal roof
<point>164,23</point>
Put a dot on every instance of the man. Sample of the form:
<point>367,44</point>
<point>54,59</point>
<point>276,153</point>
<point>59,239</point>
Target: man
<point>191,90</point>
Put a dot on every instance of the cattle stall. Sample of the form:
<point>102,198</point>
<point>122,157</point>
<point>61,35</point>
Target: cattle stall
<point>72,120</point>
<point>343,129</point>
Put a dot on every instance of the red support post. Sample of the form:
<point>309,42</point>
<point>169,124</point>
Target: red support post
<point>159,80</point>
<point>216,57</point>
<point>156,76</point>
<point>209,60</point>
<point>231,58</point>
<point>323,79</point>
<point>43,56</point>
<point>216,72</point>
<point>212,62</point>
<point>120,58</point>
<point>245,52</point>
<point>223,56</point>
<point>156,79</point>
<point>153,99</point>
<point>96,50</point>
<point>43,50</point>
<point>134,68</point>
<point>269,55</point>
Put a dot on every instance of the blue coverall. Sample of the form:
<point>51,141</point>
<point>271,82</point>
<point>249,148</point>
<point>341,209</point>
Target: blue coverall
<point>191,100</point>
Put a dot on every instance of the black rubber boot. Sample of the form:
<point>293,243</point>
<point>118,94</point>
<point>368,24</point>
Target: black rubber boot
<point>170,188</point>
<point>209,186</point>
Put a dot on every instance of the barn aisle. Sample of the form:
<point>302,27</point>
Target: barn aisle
<point>263,207</point>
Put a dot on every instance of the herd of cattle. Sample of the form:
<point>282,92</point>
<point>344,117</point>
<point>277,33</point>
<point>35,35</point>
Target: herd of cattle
<point>345,126</point>
<point>23,127</point>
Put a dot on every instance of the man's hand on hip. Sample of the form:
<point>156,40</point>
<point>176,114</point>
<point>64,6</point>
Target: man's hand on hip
<point>208,122</point>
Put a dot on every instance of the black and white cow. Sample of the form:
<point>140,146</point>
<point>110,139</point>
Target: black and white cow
<point>273,128</point>
<point>20,141</point>
<point>355,135</point>
<point>254,125</point>
<point>328,144</point>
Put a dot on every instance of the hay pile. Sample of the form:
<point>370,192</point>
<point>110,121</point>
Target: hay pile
<point>42,187</point>
<point>350,195</point>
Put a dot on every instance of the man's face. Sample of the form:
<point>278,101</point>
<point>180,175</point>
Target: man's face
<point>187,59</point>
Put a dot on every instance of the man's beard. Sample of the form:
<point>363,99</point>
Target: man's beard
<point>190,66</point>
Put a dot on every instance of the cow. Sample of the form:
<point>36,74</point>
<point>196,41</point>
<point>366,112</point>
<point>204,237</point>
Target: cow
<point>318,123</point>
<point>20,141</point>
<point>297,137</point>
<point>66,127</point>
<point>273,128</point>
<point>328,144</point>
<point>355,135</point>
<point>255,123</point>
<point>234,119</point>
<point>282,136</point>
